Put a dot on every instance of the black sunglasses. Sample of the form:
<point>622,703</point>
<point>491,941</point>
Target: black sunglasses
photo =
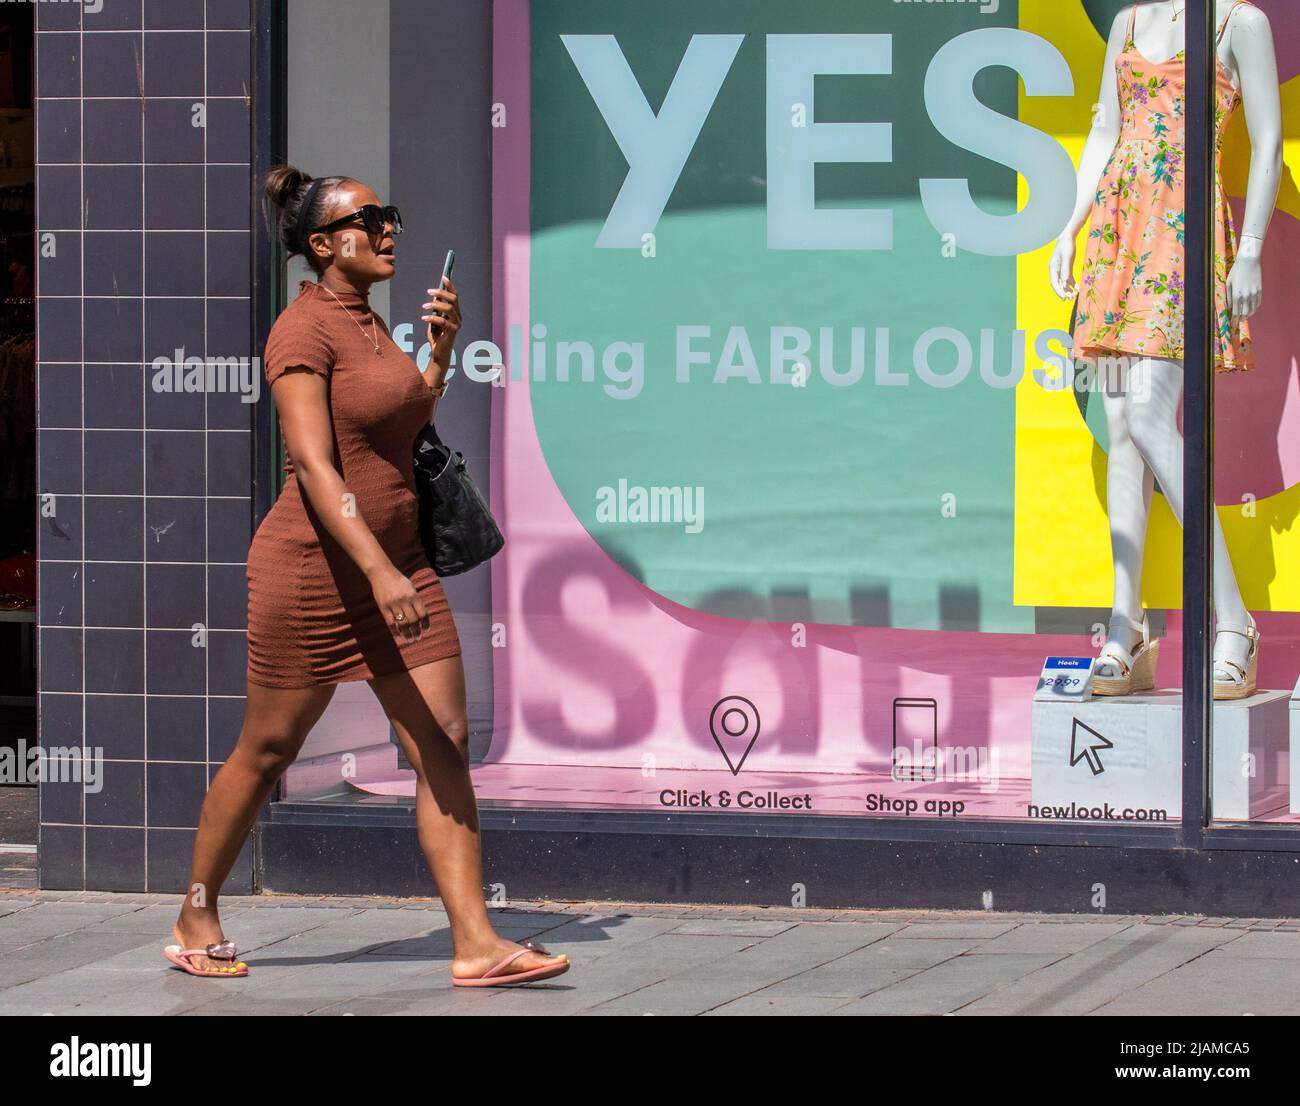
<point>372,215</point>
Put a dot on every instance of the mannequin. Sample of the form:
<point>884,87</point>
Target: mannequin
<point>1141,393</point>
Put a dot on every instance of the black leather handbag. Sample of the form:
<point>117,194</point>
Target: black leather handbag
<point>457,530</point>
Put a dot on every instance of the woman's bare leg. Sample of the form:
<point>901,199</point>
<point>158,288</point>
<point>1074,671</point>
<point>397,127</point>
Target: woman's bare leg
<point>427,709</point>
<point>276,723</point>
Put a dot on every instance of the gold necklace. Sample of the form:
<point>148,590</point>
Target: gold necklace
<point>374,326</point>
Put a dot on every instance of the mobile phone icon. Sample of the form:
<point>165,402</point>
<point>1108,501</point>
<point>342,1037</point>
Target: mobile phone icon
<point>915,754</point>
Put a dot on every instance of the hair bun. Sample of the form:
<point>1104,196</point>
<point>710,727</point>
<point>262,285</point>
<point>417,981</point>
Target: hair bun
<point>283,181</point>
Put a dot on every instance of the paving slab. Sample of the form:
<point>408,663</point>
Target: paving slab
<point>1062,938</point>
<point>1269,945</point>
<point>747,927</point>
<point>1218,983</point>
<point>940,930</point>
<point>760,967</point>
<point>1122,962</point>
<point>948,986</point>
<point>886,959</point>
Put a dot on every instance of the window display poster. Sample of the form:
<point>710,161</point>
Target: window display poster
<point>795,501</point>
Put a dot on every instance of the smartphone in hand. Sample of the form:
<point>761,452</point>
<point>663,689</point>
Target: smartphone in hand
<point>447,266</point>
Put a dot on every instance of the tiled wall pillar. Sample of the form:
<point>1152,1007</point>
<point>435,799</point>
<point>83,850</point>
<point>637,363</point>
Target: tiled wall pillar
<point>143,222</point>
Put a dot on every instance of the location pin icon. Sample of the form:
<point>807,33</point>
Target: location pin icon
<point>733,724</point>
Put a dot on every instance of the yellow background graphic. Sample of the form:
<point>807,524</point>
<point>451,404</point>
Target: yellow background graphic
<point>1062,539</point>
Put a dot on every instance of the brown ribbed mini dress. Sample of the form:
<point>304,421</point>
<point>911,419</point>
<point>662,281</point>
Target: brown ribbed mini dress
<point>312,618</point>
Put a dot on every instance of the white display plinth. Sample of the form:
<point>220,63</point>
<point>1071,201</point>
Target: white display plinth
<point>1109,759</point>
<point>1248,766</point>
<point>1120,759</point>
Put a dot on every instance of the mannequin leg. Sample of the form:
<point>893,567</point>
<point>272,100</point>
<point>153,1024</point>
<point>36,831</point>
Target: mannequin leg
<point>1152,412</point>
<point>1129,483</point>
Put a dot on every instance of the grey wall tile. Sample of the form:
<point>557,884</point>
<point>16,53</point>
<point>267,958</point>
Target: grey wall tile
<point>225,720</point>
<point>58,204</point>
<point>170,134</point>
<point>177,462</point>
<point>114,462</point>
<point>58,131</point>
<point>58,527</point>
<point>59,602</point>
<point>168,14</point>
<point>176,598</point>
<point>173,63</point>
<point>59,461</point>
<point>231,14</point>
<point>58,17</point>
<point>115,724</point>
<point>120,798</point>
<point>114,528</point>
<point>114,857</point>
<point>60,274</point>
<point>229,463</point>
<point>58,399</point>
<point>114,263</point>
<point>114,131</point>
<point>114,198</point>
<point>229,64</point>
<point>174,197</point>
<point>174,528</point>
<point>60,851</point>
<point>229,530</point>
<point>177,727</point>
<point>114,329</point>
<point>115,15</point>
<point>58,329</point>
<point>115,661</point>
<point>175,263</point>
<point>229,134</point>
<point>227,597</point>
<point>171,325</point>
<point>111,64</point>
<point>61,658</point>
<point>227,662</point>
<point>176,665</point>
<point>176,793</point>
<point>58,65</point>
<point>114,594</point>
<point>114,396</point>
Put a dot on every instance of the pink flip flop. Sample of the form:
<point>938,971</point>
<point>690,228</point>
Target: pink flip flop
<point>493,977</point>
<point>225,950</point>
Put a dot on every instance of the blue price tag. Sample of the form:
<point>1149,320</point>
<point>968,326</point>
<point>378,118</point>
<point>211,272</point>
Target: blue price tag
<point>1065,679</point>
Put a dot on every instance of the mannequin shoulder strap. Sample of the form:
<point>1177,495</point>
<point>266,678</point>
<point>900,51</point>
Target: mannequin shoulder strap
<point>1228,19</point>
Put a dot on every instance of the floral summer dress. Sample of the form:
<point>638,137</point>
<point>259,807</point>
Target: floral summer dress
<point>1131,298</point>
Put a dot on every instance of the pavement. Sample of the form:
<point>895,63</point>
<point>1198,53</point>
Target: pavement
<point>99,953</point>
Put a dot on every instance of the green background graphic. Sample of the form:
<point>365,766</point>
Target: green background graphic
<point>830,496</point>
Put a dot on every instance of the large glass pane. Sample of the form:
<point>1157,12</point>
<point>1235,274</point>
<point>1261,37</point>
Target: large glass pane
<point>805,466</point>
<point>1256,578</point>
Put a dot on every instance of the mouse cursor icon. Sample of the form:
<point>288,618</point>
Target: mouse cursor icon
<point>1082,748</point>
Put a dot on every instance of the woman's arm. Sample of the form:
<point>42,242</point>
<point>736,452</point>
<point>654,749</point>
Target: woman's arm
<point>1255,61</point>
<point>1097,150</point>
<point>302,400</point>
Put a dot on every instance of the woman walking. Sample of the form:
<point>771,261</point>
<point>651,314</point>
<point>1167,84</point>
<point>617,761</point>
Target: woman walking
<point>339,586</point>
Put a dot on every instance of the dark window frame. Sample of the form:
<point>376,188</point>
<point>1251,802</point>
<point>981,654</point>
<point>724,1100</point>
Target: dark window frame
<point>1195,832</point>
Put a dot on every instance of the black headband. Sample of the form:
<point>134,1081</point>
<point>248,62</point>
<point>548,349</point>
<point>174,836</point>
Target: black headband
<point>304,213</point>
